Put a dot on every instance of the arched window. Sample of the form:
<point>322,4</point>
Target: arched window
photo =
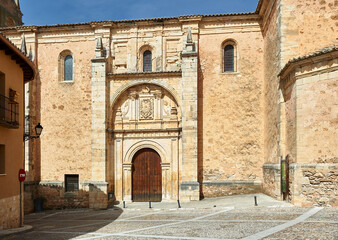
<point>68,68</point>
<point>147,65</point>
<point>229,58</point>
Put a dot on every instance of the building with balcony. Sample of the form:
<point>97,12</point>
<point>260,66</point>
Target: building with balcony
<point>16,69</point>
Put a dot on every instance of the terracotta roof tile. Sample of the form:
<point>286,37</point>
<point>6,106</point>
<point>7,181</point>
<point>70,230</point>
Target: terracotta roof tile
<point>322,51</point>
<point>133,20</point>
<point>26,64</point>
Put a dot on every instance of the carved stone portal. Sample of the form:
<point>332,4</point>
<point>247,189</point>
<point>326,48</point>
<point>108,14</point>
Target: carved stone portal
<point>147,108</point>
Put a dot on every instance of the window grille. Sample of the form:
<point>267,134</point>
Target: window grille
<point>229,58</point>
<point>147,66</point>
<point>9,112</point>
<point>72,182</point>
<point>68,68</point>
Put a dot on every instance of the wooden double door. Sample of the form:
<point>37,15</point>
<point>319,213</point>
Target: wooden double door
<point>146,176</point>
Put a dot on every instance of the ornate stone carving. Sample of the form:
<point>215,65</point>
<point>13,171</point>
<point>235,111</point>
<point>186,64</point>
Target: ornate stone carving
<point>146,108</point>
<point>125,108</point>
<point>118,115</point>
<point>133,93</point>
<point>146,89</point>
<point>166,108</point>
<point>173,113</point>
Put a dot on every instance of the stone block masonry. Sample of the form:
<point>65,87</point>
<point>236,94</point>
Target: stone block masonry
<point>10,212</point>
<point>317,185</point>
<point>227,188</point>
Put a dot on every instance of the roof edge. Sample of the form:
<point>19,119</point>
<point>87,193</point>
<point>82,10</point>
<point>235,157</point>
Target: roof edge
<point>182,17</point>
<point>259,6</point>
<point>296,60</point>
<point>28,67</point>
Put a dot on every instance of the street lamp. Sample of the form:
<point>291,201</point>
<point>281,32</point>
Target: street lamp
<point>38,129</point>
<point>27,136</point>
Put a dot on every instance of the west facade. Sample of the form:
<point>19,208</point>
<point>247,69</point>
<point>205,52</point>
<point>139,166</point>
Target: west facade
<point>186,107</point>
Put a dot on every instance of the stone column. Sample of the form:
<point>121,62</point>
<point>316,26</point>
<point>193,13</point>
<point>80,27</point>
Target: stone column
<point>127,181</point>
<point>98,187</point>
<point>166,180</point>
<point>189,189</point>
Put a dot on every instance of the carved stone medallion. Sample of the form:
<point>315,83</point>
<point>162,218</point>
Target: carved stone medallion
<point>146,108</point>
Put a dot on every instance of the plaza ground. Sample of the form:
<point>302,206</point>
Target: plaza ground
<point>234,217</point>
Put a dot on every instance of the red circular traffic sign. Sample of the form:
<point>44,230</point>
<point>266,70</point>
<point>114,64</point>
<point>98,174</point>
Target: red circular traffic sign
<point>22,175</point>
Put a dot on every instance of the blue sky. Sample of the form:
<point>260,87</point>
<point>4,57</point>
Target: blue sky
<point>42,12</point>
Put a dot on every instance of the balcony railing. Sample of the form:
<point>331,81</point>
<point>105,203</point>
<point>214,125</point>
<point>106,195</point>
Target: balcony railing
<point>9,112</point>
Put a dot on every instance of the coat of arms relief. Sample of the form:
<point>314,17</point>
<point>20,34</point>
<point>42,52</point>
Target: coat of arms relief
<point>146,109</point>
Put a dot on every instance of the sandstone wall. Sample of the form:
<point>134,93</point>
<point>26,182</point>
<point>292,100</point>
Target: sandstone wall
<point>65,107</point>
<point>307,26</point>
<point>317,115</point>
<point>270,28</point>
<point>230,106</point>
<point>310,93</point>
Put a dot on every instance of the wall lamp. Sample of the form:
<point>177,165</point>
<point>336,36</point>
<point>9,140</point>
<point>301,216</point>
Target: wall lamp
<point>38,131</point>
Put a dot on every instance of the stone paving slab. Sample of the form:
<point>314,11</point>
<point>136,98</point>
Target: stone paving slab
<point>211,230</point>
<point>328,214</point>
<point>273,221</point>
<point>237,201</point>
<point>318,231</point>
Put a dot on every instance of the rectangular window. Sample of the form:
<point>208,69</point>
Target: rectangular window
<point>2,159</point>
<point>72,182</point>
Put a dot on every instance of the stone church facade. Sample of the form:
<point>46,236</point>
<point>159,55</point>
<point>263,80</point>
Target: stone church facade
<point>153,109</point>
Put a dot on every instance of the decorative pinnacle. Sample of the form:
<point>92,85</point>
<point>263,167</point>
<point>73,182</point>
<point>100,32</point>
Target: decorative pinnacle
<point>23,45</point>
<point>17,3</point>
<point>30,53</point>
<point>99,44</point>
<point>189,36</point>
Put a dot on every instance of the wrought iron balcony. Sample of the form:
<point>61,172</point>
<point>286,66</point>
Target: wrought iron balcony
<point>9,112</point>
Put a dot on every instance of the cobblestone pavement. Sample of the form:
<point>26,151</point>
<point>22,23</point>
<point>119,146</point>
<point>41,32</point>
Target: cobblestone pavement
<point>214,223</point>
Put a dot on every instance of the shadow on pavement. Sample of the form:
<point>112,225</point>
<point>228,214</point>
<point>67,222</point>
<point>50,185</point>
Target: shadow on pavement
<point>66,224</point>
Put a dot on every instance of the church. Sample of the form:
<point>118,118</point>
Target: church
<point>184,108</point>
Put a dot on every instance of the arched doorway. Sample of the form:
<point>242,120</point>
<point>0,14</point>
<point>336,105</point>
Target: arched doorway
<point>146,176</point>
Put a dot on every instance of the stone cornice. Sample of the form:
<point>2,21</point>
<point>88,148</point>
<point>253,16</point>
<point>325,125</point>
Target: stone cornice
<point>163,74</point>
<point>135,22</point>
<point>287,74</point>
<point>101,59</point>
<point>144,130</point>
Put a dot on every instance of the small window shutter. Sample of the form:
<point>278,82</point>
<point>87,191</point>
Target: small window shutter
<point>68,68</point>
<point>229,58</point>
<point>147,61</point>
